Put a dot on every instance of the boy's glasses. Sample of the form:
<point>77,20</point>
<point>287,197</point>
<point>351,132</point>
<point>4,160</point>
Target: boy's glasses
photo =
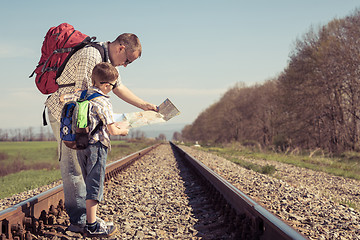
<point>112,85</point>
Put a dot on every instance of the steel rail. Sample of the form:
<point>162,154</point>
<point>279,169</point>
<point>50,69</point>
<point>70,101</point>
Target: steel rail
<point>15,221</point>
<point>264,225</point>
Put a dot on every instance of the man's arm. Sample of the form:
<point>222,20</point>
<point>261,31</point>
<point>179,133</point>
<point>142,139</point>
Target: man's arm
<point>128,96</point>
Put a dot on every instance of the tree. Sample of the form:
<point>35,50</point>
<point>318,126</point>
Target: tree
<point>176,136</point>
<point>161,137</point>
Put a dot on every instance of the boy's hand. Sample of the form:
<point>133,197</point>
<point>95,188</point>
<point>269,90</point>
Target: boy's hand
<point>118,128</point>
<point>125,131</point>
<point>122,125</point>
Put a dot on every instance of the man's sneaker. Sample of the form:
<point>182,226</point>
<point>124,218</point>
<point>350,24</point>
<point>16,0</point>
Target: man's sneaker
<point>76,228</point>
<point>102,230</point>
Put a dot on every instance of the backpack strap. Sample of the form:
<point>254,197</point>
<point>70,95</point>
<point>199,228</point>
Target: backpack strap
<point>101,49</point>
<point>44,117</point>
<point>89,98</point>
<point>83,95</point>
<point>96,128</point>
<point>94,95</point>
<point>86,42</point>
<point>74,49</point>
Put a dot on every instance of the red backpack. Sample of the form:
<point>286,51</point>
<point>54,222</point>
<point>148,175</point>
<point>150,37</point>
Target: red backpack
<point>59,45</point>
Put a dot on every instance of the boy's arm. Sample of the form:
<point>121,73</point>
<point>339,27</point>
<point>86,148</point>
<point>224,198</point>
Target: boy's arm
<point>117,130</point>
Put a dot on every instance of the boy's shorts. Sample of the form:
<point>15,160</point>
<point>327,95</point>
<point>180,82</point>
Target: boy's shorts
<point>92,161</point>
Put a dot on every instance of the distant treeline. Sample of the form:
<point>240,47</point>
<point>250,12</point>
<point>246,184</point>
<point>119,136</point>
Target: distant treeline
<point>28,134</point>
<point>313,103</point>
<point>46,134</point>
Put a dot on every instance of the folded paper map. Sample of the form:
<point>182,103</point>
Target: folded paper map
<point>167,110</point>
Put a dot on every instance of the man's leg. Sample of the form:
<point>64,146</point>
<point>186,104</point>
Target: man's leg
<point>73,181</point>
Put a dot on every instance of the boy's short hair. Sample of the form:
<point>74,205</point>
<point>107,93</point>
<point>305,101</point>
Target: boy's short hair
<point>104,72</point>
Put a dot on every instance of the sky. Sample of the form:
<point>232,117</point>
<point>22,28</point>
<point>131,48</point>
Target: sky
<point>193,51</point>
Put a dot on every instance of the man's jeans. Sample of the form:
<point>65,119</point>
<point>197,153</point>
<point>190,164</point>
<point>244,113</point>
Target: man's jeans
<point>73,181</point>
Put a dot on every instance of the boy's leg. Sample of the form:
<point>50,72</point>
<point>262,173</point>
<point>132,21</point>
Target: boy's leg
<point>93,163</point>
<point>73,182</point>
<point>91,207</point>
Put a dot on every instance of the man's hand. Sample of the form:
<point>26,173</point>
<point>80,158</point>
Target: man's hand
<point>150,107</point>
<point>128,96</point>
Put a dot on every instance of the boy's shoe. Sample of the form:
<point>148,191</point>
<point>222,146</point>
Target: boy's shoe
<point>80,228</point>
<point>102,230</point>
<point>102,221</point>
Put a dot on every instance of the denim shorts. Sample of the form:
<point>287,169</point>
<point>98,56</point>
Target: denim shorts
<point>92,161</point>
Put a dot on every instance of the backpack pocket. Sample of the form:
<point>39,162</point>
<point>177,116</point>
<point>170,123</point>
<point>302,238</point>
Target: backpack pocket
<point>82,137</point>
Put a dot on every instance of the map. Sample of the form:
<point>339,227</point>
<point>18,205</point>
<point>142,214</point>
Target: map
<point>167,110</point>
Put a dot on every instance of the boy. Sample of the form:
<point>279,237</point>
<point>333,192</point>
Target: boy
<point>92,160</point>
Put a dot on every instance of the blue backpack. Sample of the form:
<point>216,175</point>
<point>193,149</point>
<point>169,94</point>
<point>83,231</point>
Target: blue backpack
<point>74,122</point>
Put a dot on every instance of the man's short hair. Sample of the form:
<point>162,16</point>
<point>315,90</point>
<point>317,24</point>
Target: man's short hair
<point>104,72</point>
<point>130,41</point>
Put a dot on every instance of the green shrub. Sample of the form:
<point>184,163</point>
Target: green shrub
<point>268,169</point>
<point>280,142</point>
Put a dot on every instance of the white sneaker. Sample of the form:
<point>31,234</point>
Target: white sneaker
<point>102,230</point>
<point>103,222</point>
<point>79,228</point>
<point>76,228</point>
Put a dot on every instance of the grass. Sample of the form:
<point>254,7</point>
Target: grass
<point>28,165</point>
<point>26,180</point>
<point>346,165</point>
<point>19,156</point>
<point>267,169</point>
<point>349,203</point>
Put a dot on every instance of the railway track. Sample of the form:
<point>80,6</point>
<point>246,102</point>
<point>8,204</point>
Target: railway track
<point>221,211</point>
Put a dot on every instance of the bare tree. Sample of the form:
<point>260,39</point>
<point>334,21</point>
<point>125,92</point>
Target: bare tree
<point>176,136</point>
<point>161,137</point>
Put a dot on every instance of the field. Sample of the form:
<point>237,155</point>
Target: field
<point>27,165</point>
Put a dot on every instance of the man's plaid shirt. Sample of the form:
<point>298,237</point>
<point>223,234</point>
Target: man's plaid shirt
<point>78,69</point>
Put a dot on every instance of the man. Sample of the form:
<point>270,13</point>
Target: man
<point>125,49</point>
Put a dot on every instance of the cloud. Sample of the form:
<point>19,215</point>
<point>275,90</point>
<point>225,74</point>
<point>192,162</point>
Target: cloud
<point>13,51</point>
